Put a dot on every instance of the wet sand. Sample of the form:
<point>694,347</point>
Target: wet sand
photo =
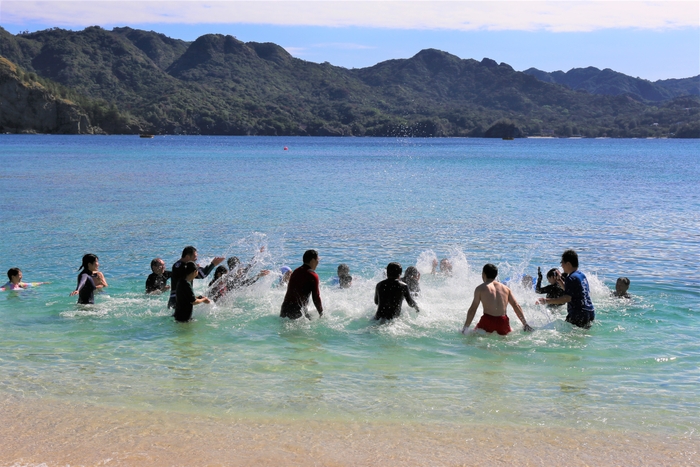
<point>50,433</point>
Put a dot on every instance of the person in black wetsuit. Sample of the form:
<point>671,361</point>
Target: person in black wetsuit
<point>390,293</point>
<point>86,282</point>
<point>304,282</point>
<point>554,289</point>
<point>189,254</point>
<point>237,276</point>
<point>157,281</point>
<point>217,286</point>
<point>185,295</point>
<point>412,279</point>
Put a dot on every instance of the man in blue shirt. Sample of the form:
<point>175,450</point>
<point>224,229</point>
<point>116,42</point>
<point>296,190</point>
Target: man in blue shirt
<point>577,295</point>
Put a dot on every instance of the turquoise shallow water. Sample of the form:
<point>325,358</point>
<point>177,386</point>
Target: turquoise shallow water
<point>629,207</point>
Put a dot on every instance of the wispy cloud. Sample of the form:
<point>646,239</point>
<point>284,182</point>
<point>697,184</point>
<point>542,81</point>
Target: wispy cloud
<point>556,16</point>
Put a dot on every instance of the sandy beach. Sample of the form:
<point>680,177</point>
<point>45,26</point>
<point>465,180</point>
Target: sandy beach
<point>40,432</point>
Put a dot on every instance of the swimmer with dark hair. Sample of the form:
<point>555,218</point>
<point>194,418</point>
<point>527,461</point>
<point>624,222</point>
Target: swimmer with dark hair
<point>495,298</point>
<point>577,294</point>
<point>186,299</point>
<point>15,281</point>
<point>189,254</point>
<point>157,281</point>
<point>412,279</point>
<point>390,293</point>
<point>303,283</point>
<point>87,285</point>
<point>621,287</point>
<point>555,288</point>
<point>217,286</point>
<point>344,277</point>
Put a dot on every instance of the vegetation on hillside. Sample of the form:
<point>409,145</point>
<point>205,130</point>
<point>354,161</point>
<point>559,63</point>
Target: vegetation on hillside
<point>138,81</point>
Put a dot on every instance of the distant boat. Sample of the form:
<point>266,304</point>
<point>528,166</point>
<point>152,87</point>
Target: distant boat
<point>508,138</point>
<point>145,135</point>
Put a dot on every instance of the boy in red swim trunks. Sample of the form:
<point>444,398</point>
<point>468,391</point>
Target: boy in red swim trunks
<point>495,298</point>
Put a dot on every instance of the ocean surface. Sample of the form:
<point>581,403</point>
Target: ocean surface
<point>629,207</point>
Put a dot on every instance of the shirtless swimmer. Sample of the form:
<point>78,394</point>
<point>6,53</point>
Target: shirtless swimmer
<point>495,298</point>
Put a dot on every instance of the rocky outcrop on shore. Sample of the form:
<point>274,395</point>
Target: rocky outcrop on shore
<point>26,106</point>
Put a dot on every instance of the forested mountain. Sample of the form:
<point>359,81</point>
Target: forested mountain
<point>609,82</point>
<point>130,81</point>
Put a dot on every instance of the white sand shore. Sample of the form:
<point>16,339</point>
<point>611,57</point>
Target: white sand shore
<point>48,433</point>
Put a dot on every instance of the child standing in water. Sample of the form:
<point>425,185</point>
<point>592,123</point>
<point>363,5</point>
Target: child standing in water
<point>86,280</point>
<point>554,289</point>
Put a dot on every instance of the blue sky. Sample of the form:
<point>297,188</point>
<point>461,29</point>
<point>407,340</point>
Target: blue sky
<point>652,40</point>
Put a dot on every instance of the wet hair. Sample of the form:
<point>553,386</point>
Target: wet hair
<point>232,262</point>
<point>190,267</point>
<point>624,280</point>
<point>88,259</point>
<point>343,270</point>
<point>220,271</point>
<point>411,272</point>
<point>188,251</point>
<point>445,265</point>
<point>490,271</point>
<point>12,272</point>
<point>155,262</point>
<point>552,272</point>
<point>309,255</point>
<point>571,257</point>
<point>393,270</point>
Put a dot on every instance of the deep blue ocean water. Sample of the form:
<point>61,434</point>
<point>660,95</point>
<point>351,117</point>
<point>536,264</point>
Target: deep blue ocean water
<point>629,207</point>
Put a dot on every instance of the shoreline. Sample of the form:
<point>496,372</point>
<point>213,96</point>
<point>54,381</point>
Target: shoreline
<point>52,433</point>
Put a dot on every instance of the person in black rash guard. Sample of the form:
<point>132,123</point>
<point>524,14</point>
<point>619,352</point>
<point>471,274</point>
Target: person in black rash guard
<point>304,282</point>
<point>553,290</point>
<point>86,284</point>
<point>189,254</point>
<point>390,293</point>
<point>217,286</point>
<point>157,281</point>
<point>185,295</point>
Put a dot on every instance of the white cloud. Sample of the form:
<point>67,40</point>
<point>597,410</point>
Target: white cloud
<point>557,16</point>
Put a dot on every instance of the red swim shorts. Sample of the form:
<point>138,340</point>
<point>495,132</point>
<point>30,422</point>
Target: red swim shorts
<point>499,324</point>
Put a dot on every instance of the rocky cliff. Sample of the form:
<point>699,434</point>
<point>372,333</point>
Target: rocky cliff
<point>26,106</point>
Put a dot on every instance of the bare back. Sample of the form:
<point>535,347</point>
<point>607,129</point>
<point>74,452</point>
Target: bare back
<point>494,298</point>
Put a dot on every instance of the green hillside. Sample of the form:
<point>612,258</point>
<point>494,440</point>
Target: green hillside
<point>220,85</point>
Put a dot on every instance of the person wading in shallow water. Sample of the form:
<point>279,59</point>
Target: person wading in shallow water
<point>577,295</point>
<point>303,282</point>
<point>89,280</point>
<point>495,298</point>
<point>390,294</point>
<point>189,253</point>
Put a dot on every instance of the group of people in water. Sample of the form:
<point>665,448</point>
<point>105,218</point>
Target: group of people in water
<point>570,287</point>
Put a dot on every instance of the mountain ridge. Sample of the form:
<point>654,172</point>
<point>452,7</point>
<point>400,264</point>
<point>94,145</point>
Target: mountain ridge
<point>220,85</point>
